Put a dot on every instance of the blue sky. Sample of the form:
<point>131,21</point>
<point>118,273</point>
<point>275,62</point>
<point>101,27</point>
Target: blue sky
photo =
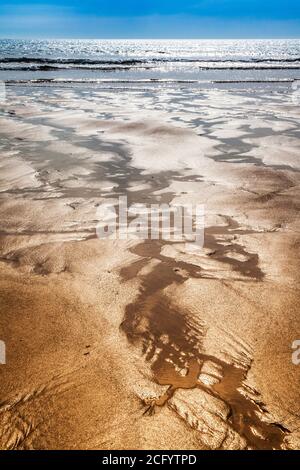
<point>150,18</point>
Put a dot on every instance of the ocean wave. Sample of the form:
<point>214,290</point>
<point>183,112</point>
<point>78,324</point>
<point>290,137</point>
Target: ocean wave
<point>115,69</point>
<point>86,61</point>
<point>139,81</point>
<point>111,66</point>
<point>52,68</point>
<point>46,60</point>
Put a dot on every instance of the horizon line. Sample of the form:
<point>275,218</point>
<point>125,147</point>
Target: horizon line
<point>151,39</point>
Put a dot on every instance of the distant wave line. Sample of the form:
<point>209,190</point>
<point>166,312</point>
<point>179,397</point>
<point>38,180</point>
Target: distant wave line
<point>52,68</point>
<point>58,81</point>
<point>86,61</point>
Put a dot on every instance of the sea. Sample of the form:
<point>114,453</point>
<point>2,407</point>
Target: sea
<point>150,61</point>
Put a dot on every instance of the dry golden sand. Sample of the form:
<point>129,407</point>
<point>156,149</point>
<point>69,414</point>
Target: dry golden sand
<point>148,344</point>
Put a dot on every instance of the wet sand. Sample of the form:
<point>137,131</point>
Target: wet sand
<point>131,344</point>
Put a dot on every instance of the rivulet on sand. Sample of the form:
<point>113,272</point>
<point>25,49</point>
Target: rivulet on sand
<point>131,344</point>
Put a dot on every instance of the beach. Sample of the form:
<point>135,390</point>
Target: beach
<point>146,344</point>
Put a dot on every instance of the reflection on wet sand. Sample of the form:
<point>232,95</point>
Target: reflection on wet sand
<point>173,346</point>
